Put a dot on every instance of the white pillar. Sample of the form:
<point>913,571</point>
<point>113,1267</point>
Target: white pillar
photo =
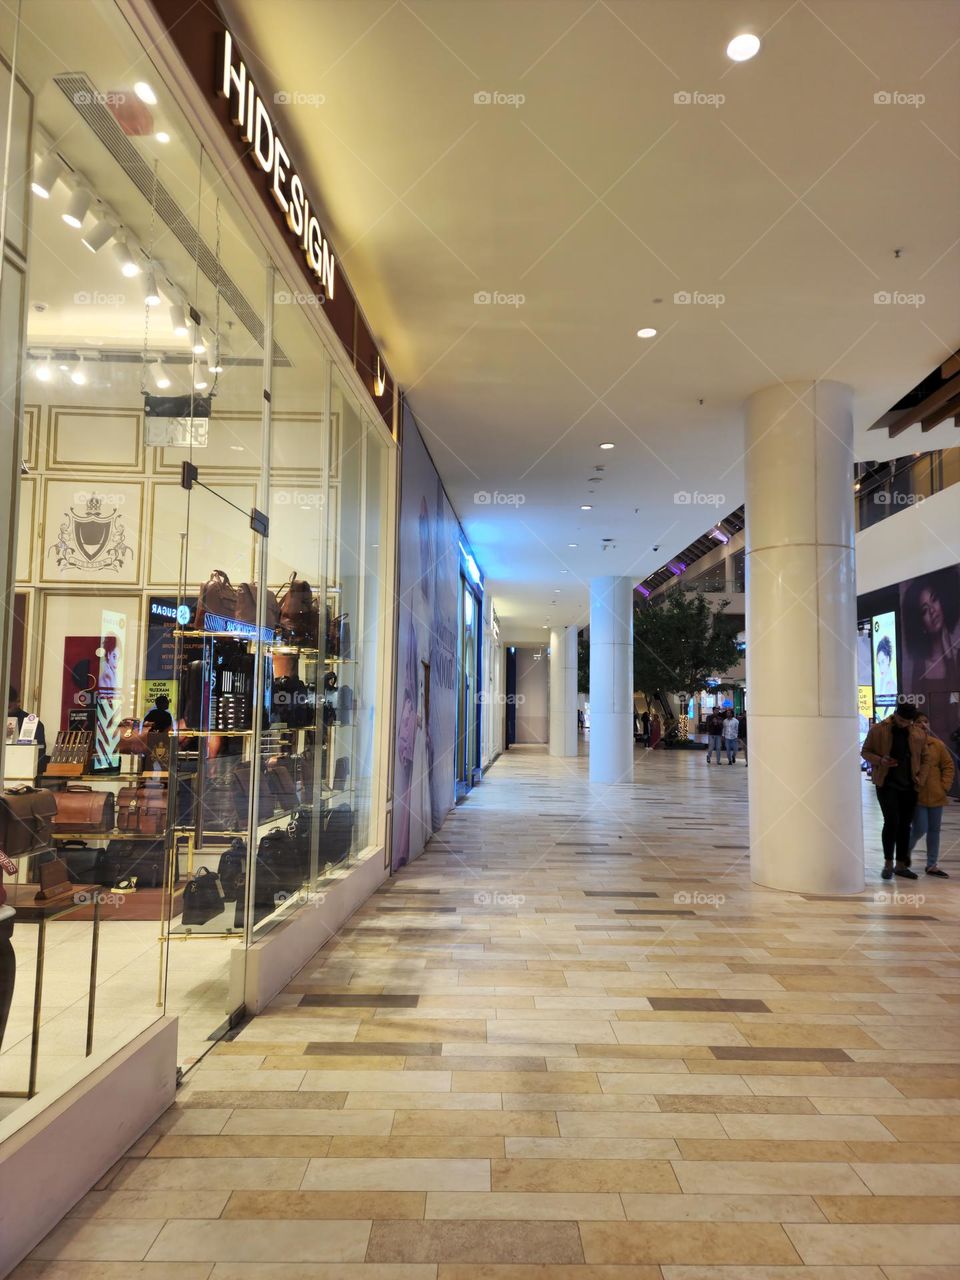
<point>563,691</point>
<point>611,680</point>
<point>805,782</point>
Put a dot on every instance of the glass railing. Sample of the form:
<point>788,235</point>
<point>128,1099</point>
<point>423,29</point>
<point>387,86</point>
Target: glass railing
<point>887,488</point>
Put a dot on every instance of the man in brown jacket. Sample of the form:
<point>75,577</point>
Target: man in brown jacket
<point>894,748</point>
<point>933,792</point>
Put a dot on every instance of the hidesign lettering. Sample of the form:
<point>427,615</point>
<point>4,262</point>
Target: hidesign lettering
<point>250,115</point>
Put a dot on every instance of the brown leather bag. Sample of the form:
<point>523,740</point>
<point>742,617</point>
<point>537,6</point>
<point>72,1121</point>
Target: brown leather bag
<point>134,741</point>
<point>217,595</point>
<point>26,814</point>
<point>246,610</point>
<point>299,618</point>
<point>142,809</point>
<point>82,809</point>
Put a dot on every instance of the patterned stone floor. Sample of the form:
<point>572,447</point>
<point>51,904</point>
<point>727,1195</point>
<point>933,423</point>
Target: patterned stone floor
<point>573,1042</point>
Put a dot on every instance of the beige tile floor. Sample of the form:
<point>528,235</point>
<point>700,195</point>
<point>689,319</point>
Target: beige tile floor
<point>573,1042</point>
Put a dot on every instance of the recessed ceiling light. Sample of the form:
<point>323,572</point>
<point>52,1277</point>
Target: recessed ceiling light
<point>570,544</point>
<point>743,47</point>
<point>162,136</point>
<point>646,333</point>
<point>146,94</point>
<point>585,506</point>
<point>573,544</point>
<point>607,445</point>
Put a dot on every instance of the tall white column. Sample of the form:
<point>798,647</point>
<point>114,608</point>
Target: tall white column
<point>805,788</point>
<point>563,691</point>
<point>611,680</point>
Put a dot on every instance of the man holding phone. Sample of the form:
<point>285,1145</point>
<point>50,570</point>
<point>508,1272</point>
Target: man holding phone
<point>894,749</point>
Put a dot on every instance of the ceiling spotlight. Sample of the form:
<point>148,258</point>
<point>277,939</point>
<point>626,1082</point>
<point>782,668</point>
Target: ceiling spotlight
<point>178,319</point>
<point>161,379</point>
<point>200,383</point>
<point>77,208</point>
<point>128,264</point>
<point>585,506</point>
<point>145,93</point>
<point>99,234</point>
<point>646,333</point>
<point>44,370</point>
<point>162,136</point>
<point>571,544</point>
<point>151,293</point>
<point>46,174</point>
<point>78,377</point>
<point>743,47</point>
<point>607,445</point>
<point>197,345</point>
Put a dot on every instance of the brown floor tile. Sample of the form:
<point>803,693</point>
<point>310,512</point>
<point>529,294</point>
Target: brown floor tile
<point>698,1242</point>
<point>326,1204</point>
<point>544,1243</point>
<point>921,1209</point>
<point>529,1124</point>
<point>426,1147</point>
<point>582,1175</point>
<point>765,1106</point>
<point>177,1145</point>
<point>765,1149</point>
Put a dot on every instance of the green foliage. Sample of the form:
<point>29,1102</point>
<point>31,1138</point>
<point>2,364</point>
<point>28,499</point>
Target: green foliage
<point>679,643</point>
<point>583,662</point>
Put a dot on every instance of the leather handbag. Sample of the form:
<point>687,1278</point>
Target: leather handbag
<point>266,798</point>
<point>278,863</point>
<point>142,809</point>
<point>336,835</point>
<point>133,740</point>
<point>246,606</point>
<point>26,817</point>
<point>202,897</point>
<point>338,636</point>
<point>218,596</point>
<point>231,868</point>
<point>80,858</point>
<point>299,619</point>
<point>144,860</point>
<point>81,809</point>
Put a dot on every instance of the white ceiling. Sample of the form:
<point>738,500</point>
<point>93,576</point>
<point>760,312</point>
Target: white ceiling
<point>596,196</point>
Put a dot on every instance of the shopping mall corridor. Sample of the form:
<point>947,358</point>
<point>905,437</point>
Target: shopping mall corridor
<point>573,1042</point>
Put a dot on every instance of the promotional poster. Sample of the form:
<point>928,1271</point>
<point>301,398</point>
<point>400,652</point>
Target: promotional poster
<point>930,626</point>
<point>426,652</point>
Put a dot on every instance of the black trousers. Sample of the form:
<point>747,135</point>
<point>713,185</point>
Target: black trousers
<point>8,973</point>
<point>897,805</point>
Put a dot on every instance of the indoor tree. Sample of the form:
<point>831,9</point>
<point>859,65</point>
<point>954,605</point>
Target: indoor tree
<point>679,643</point>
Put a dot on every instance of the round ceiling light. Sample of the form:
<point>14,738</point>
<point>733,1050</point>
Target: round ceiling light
<point>585,506</point>
<point>607,445</point>
<point>145,93</point>
<point>646,333</point>
<point>743,47</point>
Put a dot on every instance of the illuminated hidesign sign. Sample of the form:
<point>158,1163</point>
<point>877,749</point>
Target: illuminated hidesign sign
<point>250,115</point>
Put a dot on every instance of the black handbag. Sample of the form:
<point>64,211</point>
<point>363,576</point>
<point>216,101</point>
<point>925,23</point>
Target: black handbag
<point>124,859</point>
<point>233,862</point>
<point>278,863</point>
<point>336,835</point>
<point>263,900</point>
<point>80,859</point>
<point>202,897</point>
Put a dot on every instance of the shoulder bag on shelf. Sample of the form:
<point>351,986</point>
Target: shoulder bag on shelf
<point>299,619</point>
<point>266,799</point>
<point>202,897</point>
<point>26,817</point>
<point>81,809</point>
<point>246,606</point>
<point>278,863</point>
<point>81,859</point>
<point>336,835</point>
<point>125,859</point>
<point>231,868</point>
<point>279,779</point>
<point>218,808</point>
<point>218,596</point>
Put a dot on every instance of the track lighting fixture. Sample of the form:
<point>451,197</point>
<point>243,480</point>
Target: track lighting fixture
<point>100,233</point>
<point>197,344</point>
<point>161,379</point>
<point>79,377</point>
<point>128,264</point>
<point>45,175</point>
<point>77,208</point>
<point>151,292</point>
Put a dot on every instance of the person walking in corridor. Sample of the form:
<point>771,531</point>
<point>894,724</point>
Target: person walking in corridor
<point>933,792</point>
<point>894,748</point>
<point>714,734</point>
<point>731,733</point>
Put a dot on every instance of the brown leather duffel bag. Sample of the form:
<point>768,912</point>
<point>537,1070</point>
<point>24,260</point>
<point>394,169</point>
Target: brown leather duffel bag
<point>246,607</point>
<point>217,595</point>
<point>142,809</point>
<point>82,809</point>
<point>26,814</point>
